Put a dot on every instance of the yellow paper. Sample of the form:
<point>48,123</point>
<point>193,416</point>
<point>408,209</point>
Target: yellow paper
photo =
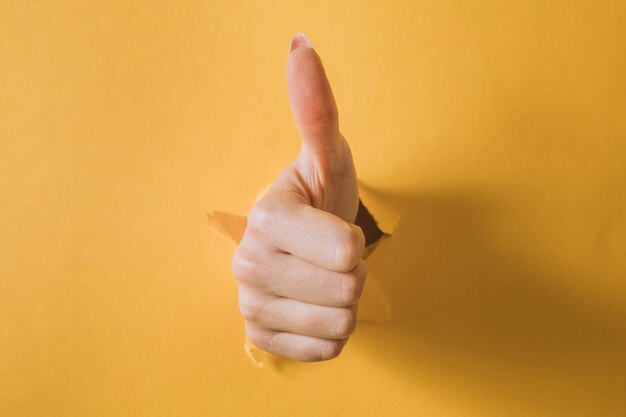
<point>495,130</point>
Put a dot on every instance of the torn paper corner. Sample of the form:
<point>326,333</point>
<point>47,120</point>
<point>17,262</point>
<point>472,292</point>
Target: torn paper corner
<point>373,305</point>
<point>227,225</point>
<point>262,192</point>
<point>256,355</point>
<point>387,217</point>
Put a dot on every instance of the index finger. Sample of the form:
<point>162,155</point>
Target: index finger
<point>315,235</point>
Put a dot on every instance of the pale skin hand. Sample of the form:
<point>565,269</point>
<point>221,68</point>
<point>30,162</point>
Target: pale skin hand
<point>299,265</point>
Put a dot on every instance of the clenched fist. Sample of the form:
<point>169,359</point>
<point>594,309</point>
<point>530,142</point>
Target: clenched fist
<point>299,264</point>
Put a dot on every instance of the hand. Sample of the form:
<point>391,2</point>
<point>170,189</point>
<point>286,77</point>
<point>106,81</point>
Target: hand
<point>299,264</point>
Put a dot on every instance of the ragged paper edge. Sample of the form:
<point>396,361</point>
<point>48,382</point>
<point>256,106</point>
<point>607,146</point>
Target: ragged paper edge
<point>373,305</point>
<point>387,217</point>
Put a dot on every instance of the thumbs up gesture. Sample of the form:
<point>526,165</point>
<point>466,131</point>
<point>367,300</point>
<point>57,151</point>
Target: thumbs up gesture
<point>299,264</point>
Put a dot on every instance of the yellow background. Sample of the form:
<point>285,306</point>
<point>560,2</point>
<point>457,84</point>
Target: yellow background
<point>497,129</point>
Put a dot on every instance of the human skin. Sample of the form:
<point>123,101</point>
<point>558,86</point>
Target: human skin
<point>299,264</point>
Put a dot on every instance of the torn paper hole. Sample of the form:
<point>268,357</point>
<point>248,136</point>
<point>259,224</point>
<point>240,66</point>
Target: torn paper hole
<point>373,306</point>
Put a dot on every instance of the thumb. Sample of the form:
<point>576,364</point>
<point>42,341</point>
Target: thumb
<point>312,103</point>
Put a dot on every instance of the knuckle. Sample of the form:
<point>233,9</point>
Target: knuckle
<point>352,287</point>
<point>260,217</point>
<point>362,270</point>
<point>250,307</point>
<point>350,248</point>
<point>345,323</point>
<point>244,266</point>
<point>331,349</point>
<point>257,337</point>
